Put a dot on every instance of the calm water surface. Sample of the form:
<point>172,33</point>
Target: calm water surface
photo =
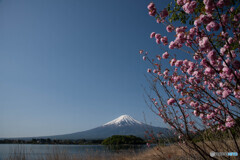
<point>33,151</point>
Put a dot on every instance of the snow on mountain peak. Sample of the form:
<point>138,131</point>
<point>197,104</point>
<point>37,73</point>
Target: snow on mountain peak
<point>124,120</point>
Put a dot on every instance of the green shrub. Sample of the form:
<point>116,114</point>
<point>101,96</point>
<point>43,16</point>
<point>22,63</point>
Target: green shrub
<point>122,139</point>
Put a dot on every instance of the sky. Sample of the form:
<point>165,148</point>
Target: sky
<point>72,65</point>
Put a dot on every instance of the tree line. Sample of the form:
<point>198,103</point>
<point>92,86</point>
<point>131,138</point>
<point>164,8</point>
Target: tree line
<point>50,141</point>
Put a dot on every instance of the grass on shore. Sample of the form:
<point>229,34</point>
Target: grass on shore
<point>172,152</point>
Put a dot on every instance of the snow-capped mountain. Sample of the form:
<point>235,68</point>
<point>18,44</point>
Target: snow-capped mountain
<point>124,120</point>
<point>123,125</point>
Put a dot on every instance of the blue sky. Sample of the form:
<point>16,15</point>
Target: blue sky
<point>72,65</point>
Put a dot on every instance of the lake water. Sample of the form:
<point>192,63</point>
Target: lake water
<point>38,151</point>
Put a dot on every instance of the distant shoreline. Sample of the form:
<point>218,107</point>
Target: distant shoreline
<point>51,141</point>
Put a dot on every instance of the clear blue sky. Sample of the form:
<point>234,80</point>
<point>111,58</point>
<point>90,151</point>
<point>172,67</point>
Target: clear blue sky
<point>72,65</point>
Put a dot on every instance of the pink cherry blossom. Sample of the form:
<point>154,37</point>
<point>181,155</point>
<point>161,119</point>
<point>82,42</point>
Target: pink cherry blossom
<point>212,25</point>
<point>151,6</point>
<point>171,101</point>
<point>172,62</point>
<point>165,55</point>
<point>225,93</point>
<point>164,13</point>
<point>189,7</point>
<point>164,40</point>
<point>169,28</point>
<point>158,36</point>
<point>149,70</point>
<point>207,83</point>
<point>178,63</point>
<point>152,34</point>
<point>204,43</point>
<point>152,12</point>
<point>155,71</point>
<point>229,122</point>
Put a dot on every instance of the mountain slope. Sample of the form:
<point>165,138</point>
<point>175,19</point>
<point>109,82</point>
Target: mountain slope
<point>123,125</point>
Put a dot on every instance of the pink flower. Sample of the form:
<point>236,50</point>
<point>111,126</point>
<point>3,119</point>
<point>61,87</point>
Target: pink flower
<point>171,45</point>
<point>189,7</point>
<point>209,5</point>
<point>171,101</point>
<point>191,64</point>
<point>164,40</point>
<point>227,70</point>
<point>198,22</point>
<point>185,62</point>
<point>178,63</point>
<point>169,28</point>
<point>220,3</point>
<point>149,70</point>
<point>205,19</point>
<point>141,51</point>
<point>180,2</point>
<point>225,93</point>
<point>204,43</point>
<point>159,20</point>
<point>164,13</point>
<point>196,113</point>
<point>209,71</point>
<point>165,55</point>
<point>152,12</point>
<point>212,55</point>
<point>210,116</point>
<point>229,122</point>
<point>212,25</point>
<point>181,102</point>
<point>151,6</point>
<point>144,58</point>
<point>224,18</point>
<point>148,145</point>
<point>192,104</point>
<point>152,34</point>
<point>172,62</point>
<point>166,72</point>
<point>230,40</point>
<point>152,9</point>
<point>219,92</point>
<point>158,36</point>
<point>180,137</point>
<point>180,36</point>
<point>223,50</point>
<point>155,71</point>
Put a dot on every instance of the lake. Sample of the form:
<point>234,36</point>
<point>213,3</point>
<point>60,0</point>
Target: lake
<point>38,151</point>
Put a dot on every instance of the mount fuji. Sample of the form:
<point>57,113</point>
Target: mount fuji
<point>123,125</point>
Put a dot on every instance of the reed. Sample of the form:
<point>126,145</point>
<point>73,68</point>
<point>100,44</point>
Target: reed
<point>175,151</point>
<point>57,153</point>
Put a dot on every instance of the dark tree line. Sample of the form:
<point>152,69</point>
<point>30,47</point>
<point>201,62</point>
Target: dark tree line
<point>49,141</point>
